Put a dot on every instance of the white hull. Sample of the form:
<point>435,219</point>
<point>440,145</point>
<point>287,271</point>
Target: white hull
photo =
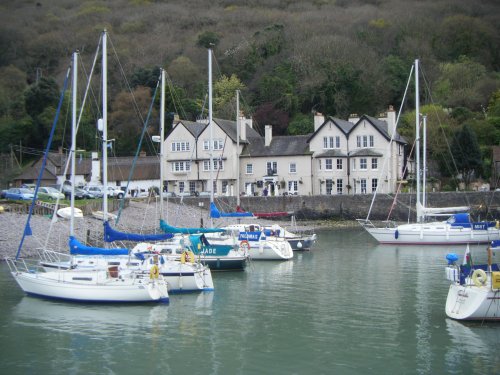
<point>91,286</point>
<point>470,302</point>
<point>432,234</point>
<point>180,277</point>
<point>270,250</point>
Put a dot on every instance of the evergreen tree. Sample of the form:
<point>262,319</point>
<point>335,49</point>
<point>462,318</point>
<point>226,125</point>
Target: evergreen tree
<point>467,154</point>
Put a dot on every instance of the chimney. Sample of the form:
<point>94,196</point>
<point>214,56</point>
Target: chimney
<point>243,127</point>
<point>268,134</point>
<point>354,118</point>
<point>391,121</point>
<point>319,119</point>
<point>95,172</point>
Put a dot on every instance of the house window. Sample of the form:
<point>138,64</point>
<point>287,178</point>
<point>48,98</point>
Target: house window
<point>362,164</point>
<point>362,141</point>
<point>339,164</point>
<point>363,185</point>
<point>358,141</point>
<point>181,166</point>
<point>206,145</point>
<point>328,164</point>
<point>214,186</point>
<point>337,142</point>
<point>218,144</point>
<point>180,146</point>
<point>340,185</point>
<point>224,187</point>
<point>249,169</point>
<point>192,186</point>
<point>319,162</point>
<point>218,165</point>
<point>292,187</point>
<point>374,185</point>
<point>353,164</point>
<point>329,186</point>
<point>374,163</point>
<point>206,165</point>
<point>182,186</point>
<point>371,141</point>
<point>293,168</point>
<point>272,168</point>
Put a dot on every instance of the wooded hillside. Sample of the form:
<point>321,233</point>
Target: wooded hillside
<point>289,58</point>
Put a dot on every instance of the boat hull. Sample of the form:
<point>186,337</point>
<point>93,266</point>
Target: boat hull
<point>432,235</point>
<point>91,286</point>
<point>470,302</point>
<point>270,250</point>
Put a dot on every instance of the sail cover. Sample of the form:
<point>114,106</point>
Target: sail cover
<point>171,229</point>
<point>77,248</point>
<point>111,235</point>
<point>216,214</point>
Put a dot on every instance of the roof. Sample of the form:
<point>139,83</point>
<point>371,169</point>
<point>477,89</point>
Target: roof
<point>227,126</point>
<point>381,126</point>
<point>331,154</point>
<point>365,152</point>
<point>344,126</point>
<point>288,145</point>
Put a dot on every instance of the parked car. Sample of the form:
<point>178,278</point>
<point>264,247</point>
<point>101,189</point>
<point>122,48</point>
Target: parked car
<point>49,193</point>
<point>98,191</point>
<point>29,186</point>
<point>19,194</point>
<point>2,193</point>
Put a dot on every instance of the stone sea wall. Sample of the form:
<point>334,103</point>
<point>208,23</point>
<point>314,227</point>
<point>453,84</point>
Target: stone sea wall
<point>351,207</point>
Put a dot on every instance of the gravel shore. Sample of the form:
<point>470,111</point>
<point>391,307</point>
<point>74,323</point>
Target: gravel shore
<point>139,216</point>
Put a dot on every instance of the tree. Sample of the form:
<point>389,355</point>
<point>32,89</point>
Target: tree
<point>467,154</point>
<point>301,124</point>
<point>41,95</point>
<point>208,39</point>
<point>224,95</point>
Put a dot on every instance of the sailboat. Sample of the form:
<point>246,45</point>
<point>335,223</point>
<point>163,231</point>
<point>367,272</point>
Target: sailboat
<point>474,292</point>
<point>90,285</point>
<point>457,229</point>
<point>180,276</point>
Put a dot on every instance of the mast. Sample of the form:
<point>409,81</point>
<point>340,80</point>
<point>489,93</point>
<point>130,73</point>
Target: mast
<point>424,159</point>
<point>210,148</point>
<point>237,147</point>
<point>417,142</point>
<point>162,137</point>
<point>73,144</point>
<point>105,126</point>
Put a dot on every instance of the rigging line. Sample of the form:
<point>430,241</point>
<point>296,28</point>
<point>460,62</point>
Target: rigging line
<point>127,84</point>
<point>392,139</point>
<point>138,149</point>
<point>399,186</point>
<point>175,97</point>
<point>455,171</point>
<point>27,229</point>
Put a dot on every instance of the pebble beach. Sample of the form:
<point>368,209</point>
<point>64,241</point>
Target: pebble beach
<point>140,216</point>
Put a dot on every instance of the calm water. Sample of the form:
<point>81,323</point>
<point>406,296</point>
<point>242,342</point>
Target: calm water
<point>346,307</point>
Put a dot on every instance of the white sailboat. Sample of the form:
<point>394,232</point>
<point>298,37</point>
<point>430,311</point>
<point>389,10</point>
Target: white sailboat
<point>457,229</point>
<point>474,292</point>
<point>89,285</point>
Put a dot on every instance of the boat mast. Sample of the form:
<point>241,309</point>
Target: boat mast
<point>417,142</point>
<point>162,137</point>
<point>424,158</point>
<point>237,147</point>
<point>73,145</point>
<point>210,147</point>
<point>104,126</point>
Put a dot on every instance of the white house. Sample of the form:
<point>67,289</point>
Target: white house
<point>341,157</point>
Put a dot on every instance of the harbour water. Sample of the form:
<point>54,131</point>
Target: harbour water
<point>349,306</point>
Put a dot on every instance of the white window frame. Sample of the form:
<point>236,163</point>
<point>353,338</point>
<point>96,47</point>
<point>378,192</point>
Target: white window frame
<point>292,167</point>
<point>375,164</point>
<point>340,164</point>
<point>249,168</point>
<point>374,184</point>
<point>363,164</point>
<point>328,164</point>
<point>340,186</point>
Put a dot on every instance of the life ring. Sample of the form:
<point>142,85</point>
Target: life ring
<point>154,273</point>
<point>245,245</point>
<point>479,277</point>
<point>187,256</point>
